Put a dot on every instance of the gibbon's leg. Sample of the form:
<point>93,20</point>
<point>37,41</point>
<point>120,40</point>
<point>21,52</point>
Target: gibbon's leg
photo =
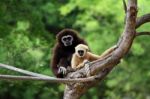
<point>92,57</point>
<point>108,51</point>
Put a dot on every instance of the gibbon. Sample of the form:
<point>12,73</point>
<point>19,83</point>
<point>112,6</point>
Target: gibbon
<point>83,56</point>
<point>67,40</point>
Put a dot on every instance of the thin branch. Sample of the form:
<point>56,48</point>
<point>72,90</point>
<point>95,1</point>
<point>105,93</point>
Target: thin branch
<point>143,19</point>
<point>57,80</point>
<point>22,71</point>
<point>125,9</point>
<point>125,6</point>
<point>142,33</point>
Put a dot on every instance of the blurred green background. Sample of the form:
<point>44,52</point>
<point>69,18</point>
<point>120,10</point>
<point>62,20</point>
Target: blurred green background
<point>27,35</point>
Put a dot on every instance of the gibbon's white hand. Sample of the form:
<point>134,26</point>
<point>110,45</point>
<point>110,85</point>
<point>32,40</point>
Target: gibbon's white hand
<point>62,70</point>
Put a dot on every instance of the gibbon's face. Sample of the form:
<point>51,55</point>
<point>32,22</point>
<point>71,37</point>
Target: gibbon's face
<point>81,50</point>
<point>67,40</point>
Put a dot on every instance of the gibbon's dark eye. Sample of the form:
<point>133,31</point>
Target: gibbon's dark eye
<point>81,52</point>
<point>64,39</point>
<point>69,38</point>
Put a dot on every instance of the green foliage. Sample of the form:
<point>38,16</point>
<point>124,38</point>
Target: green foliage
<point>27,35</point>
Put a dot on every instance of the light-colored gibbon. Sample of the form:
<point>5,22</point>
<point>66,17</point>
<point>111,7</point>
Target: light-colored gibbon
<point>82,56</point>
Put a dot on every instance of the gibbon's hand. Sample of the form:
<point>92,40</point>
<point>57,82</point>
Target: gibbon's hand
<point>62,70</point>
<point>86,62</point>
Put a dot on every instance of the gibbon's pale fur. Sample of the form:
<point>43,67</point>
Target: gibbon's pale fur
<point>82,55</point>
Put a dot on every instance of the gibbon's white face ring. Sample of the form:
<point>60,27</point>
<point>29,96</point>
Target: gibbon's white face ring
<point>67,40</point>
<point>78,54</point>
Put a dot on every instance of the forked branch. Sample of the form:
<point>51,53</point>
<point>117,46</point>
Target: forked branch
<point>74,91</point>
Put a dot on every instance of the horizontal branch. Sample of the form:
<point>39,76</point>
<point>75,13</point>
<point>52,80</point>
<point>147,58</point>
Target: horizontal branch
<point>41,77</point>
<point>142,33</point>
<point>22,71</point>
<point>57,80</point>
<point>143,19</point>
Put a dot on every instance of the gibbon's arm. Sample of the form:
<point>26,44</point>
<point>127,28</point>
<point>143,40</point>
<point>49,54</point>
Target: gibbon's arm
<point>63,62</point>
<point>54,61</point>
<point>74,61</point>
<point>108,51</point>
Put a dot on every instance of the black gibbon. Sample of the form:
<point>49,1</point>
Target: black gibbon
<point>67,39</point>
<point>83,56</point>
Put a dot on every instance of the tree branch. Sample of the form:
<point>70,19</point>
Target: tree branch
<point>125,9</point>
<point>143,19</point>
<point>75,91</point>
<point>125,6</point>
<point>142,33</point>
<point>22,71</point>
<point>50,79</point>
<point>41,77</point>
<point>124,44</point>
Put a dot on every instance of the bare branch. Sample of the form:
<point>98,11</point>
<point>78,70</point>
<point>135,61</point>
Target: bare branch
<point>141,20</point>
<point>125,6</point>
<point>22,71</point>
<point>142,33</point>
<point>52,79</point>
<point>125,9</point>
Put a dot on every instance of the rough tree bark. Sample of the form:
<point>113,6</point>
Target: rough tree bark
<point>101,68</point>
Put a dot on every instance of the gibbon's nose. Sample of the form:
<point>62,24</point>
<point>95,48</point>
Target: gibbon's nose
<point>81,52</point>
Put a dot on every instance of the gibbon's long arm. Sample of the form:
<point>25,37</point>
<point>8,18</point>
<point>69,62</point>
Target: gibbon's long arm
<point>55,61</point>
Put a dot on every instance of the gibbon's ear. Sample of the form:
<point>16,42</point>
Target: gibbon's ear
<point>87,48</point>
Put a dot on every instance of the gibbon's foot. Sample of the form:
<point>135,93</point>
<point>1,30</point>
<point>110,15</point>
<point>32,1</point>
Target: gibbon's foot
<point>87,68</point>
<point>62,70</point>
